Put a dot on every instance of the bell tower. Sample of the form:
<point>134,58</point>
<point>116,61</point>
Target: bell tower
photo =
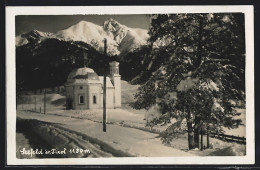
<point>116,80</point>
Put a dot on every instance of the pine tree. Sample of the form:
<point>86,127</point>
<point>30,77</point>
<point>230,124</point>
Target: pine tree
<point>196,69</point>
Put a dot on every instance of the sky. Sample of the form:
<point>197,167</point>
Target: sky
<point>54,23</point>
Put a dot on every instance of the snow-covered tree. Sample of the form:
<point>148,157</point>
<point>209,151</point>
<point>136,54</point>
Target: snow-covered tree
<point>196,70</point>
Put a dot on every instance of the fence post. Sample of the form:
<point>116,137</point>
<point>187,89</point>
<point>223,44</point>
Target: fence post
<point>35,104</point>
<point>44,101</point>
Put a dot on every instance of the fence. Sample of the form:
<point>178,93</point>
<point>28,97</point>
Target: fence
<point>230,138</point>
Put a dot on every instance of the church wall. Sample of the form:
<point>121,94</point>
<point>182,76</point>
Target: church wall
<point>109,98</point>
<point>69,94</point>
<point>69,91</point>
<point>81,92</point>
<point>94,90</point>
<point>116,80</point>
<point>88,93</point>
<point>117,84</point>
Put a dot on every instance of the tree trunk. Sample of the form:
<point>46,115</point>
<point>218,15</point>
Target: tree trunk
<point>190,136</point>
<point>207,136</point>
<point>190,132</point>
<point>201,140</point>
<point>196,134</point>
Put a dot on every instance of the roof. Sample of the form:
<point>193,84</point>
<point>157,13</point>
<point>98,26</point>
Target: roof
<point>83,75</point>
<point>114,64</point>
<point>108,82</point>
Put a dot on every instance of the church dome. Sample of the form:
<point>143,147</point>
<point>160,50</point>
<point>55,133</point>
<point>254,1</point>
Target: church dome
<point>83,75</point>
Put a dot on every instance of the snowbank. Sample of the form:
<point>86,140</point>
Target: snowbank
<point>76,145</point>
<point>230,151</point>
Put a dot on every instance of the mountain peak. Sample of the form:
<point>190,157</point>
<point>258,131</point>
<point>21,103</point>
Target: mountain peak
<point>120,38</point>
<point>33,32</point>
<point>36,33</point>
<point>83,22</point>
<point>112,25</point>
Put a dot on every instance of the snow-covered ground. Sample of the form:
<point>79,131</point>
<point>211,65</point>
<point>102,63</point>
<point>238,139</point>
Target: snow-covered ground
<point>126,128</point>
<point>133,141</point>
<point>241,131</point>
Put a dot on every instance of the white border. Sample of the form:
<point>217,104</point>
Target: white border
<point>11,12</point>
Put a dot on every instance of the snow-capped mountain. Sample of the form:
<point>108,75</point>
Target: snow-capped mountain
<point>120,38</point>
<point>32,36</point>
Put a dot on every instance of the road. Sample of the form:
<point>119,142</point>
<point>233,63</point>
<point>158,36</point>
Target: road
<point>128,140</point>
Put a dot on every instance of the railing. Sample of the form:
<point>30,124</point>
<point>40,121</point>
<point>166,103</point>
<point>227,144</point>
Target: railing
<point>229,138</point>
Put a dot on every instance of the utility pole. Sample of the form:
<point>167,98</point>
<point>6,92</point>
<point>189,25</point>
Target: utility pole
<point>44,101</point>
<point>104,88</point>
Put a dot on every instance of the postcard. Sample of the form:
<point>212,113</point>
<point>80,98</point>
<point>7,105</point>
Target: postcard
<point>130,85</point>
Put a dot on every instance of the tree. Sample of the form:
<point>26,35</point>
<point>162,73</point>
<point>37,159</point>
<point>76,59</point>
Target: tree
<point>196,69</point>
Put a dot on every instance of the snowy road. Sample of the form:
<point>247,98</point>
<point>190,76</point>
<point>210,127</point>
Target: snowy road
<point>132,141</point>
<point>26,139</point>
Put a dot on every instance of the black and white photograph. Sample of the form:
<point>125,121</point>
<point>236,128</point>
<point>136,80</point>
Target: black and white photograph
<point>125,87</point>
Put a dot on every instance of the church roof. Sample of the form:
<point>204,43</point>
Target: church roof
<point>108,82</point>
<point>114,63</point>
<point>83,75</point>
<point>86,75</point>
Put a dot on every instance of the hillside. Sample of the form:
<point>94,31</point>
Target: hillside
<point>44,59</point>
<point>48,63</point>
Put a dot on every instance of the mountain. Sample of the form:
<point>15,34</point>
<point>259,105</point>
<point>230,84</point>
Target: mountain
<point>44,60</point>
<point>33,36</point>
<point>120,38</point>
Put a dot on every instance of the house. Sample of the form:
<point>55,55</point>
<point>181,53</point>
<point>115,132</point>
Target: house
<point>84,88</point>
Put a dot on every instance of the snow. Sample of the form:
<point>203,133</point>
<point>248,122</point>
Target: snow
<point>152,113</point>
<point>42,34</point>
<point>120,38</point>
<point>22,142</point>
<point>235,150</point>
<point>126,128</point>
<point>187,84</point>
<point>19,40</point>
<point>217,107</point>
<point>86,32</point>
<point>213,86</point>
<point>108,81</point>
<point>128,140</point>
<point>34,34</point>
<point>241,131</point>
<point>133,141</point>
<point>210,16</point>
<point>128,91</point>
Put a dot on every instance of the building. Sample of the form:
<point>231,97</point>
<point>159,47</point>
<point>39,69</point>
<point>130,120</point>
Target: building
<point>84,88</point>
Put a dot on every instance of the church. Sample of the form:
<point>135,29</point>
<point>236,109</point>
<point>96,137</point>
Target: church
<point>84,88</point>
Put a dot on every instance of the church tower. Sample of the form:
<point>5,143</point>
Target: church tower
<point>116,80</point>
